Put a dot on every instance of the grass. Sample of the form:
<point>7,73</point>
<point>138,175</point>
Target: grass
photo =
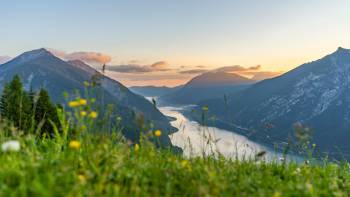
<point>93,163</point>
<point>109,166</point>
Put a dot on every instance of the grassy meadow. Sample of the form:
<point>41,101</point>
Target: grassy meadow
<point>79,156</point>
<point>102,165</point>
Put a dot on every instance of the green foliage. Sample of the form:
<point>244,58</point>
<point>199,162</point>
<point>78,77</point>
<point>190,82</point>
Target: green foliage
<point>16,104</point>
<point>87,158</point>
<point>28,111</point>
<point>106,165</point>
<point>45,112</point>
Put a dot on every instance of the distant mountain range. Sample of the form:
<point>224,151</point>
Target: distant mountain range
<point>154,91</point>
<point>315,95</point>
<point>41,69</point>
<point>213,84</point>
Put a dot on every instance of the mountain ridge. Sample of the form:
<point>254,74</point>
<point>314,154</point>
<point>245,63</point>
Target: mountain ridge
<point>212,84</point>
<point>315,94</point>
<point>41,69</point>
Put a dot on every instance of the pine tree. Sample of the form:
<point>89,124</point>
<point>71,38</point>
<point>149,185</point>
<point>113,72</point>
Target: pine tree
<point>16,97</point>
<point>26,110</point>
<point>4,101</point>
<point>31,110</point>
<point>15,104</point>
<point>45,112</point>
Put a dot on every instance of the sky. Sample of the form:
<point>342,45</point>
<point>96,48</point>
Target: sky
<point>166,42</point>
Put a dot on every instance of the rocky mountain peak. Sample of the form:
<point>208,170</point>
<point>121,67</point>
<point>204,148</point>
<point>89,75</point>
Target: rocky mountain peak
<point>32,55</point>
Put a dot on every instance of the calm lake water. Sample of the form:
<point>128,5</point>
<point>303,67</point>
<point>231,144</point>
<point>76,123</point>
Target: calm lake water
<point>197,140</point>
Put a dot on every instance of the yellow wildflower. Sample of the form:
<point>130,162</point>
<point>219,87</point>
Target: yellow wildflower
<point>205,108</point>
<point>83,113</point>
<point>136,147</point>
<point>74,144</point>
<point>93,114</point>
<point>184,163</point>
<point>82,101</point>
<point>82,178</point>
<point>277,194</point>
<point>73,104</point>
<point>158,133</point>
<point>86,84</point>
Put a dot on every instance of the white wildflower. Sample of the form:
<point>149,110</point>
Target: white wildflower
<point>282,159</point>
<point>10,146</point>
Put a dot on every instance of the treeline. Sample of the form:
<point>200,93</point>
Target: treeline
<point>30,111</point>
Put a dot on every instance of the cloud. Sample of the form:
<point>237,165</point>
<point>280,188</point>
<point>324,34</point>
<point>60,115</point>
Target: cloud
<point>87,57</point>
<point>129,68</point>
<point>237,68</point>
<point>253,72</point>
<point>160,66</point>
<point>138,69</point>
<point>4,59</point>
<point>193,71</point>
<point>227,69</point>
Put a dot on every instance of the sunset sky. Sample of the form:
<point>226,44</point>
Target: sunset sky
<point>166,42</point>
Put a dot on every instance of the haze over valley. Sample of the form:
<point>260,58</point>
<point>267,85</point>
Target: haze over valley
<point>175,98</point>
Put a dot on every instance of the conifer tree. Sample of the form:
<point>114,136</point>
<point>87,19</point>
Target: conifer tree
<point>4,101</point>
<point>45,112</point>
<point>15,103</point>
<point>26,110</point>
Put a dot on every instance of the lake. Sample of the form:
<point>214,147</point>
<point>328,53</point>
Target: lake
<point>197,140</point>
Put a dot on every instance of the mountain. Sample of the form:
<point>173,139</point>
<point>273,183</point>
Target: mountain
<point>315,95</point>
<point>41,69</point>
<point>153,91</point>
<point>214,84</point>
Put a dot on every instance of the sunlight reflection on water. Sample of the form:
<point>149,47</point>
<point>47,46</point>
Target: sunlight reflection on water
<point>197,140</point>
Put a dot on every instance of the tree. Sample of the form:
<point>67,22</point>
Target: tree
<point>45,112</point>
<point>15,104</point>
<point>5,102</point>
<point>28,111</point>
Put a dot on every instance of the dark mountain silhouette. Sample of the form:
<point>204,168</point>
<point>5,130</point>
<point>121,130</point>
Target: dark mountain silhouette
<point>214,84</point>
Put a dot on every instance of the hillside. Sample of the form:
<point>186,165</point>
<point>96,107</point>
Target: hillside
<point>214,84</point>
<point>39,68</point>
<point>314,95</point>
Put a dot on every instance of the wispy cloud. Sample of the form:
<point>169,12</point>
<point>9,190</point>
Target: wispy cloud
<point>87,57</point>
<point>238,68</point>
<point>4,59</point>
<point>160,66</point>
<point>137,69</point>
<point>254,72</point>
<point>193,71</point>
<point>227,69</point>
